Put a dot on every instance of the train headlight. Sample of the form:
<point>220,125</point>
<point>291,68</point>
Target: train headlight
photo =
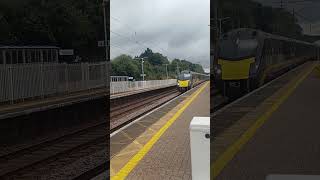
<point>217,70</point>
<point>178,84</point>
<point>254,68</point>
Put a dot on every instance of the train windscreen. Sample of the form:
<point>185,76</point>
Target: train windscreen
<point>184,76</point>
<point>237,49</point>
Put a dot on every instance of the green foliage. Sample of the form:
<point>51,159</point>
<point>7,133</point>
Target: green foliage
<point>124,65</point>
<point>154,58</point>
<point>251,14</point>
<point>65,23</point>
<point>154,66</point>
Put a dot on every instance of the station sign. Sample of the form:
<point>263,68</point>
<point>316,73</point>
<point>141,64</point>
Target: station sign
<point>66,52</point>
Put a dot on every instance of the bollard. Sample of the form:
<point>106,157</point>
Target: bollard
<point>200,148</point>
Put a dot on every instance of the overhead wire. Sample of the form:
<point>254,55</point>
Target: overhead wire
<point>138,42</point>
<point>141,44</point>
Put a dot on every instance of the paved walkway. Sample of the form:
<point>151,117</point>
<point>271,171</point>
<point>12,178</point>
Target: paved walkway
<point>170,157</point>
<point>287,143</point>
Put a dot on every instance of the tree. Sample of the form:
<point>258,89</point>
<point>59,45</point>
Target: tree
<point>147,53</point>
<point>70,24</point>
<point>124,65</point>
<point>154,66</point>
<point>251,14</point>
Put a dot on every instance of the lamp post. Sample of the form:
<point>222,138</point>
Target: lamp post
<point>167,70</point>
<point>142,68</point>
<point>106,11</point>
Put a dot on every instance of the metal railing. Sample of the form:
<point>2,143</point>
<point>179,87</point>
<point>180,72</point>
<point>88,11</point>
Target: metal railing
<point>126,86</point>
<point>119,78</point>
<point>22,81</point>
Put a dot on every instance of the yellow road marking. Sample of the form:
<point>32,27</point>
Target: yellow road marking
<point>227,156</point>
<point>124,172</point>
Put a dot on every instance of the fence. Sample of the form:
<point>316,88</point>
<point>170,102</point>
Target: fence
<point>119,78</point>
<point>125,86</point>
<point>21,81</point>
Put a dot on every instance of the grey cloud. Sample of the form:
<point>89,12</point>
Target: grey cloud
<point>177,29</point>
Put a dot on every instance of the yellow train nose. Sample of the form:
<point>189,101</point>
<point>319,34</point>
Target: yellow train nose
<point>235,70</point>
<point>184,83</point>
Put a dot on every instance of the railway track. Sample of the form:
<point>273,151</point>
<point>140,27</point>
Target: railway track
<point>49,156</point>
<point>128,112</point>
<point>83,152</point>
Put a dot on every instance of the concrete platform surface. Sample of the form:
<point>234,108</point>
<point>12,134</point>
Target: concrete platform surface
<point>137,91</point>
<point>36,105</point>
<point>170,157</point>
<point>287,142</point>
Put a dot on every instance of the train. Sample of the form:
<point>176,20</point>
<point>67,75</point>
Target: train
<point>247,58</point>
<point>188,79</point>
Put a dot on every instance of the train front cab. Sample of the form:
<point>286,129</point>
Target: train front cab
<point>183,85</point>
<point>184,82</point>
<point>236,65</point>
<point>234,77</point>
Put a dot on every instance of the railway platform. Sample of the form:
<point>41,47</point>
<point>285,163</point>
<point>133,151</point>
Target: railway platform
<point>138,91</point>
<point>271,132</point>
<point>127,88</point>
<point>41,104</point>
<point>156,146</point>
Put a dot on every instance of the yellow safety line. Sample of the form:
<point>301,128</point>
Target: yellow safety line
<point>124,172</point>
<point>227,156</point>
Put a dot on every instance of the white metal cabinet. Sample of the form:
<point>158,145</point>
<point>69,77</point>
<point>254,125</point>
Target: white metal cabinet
<point>200,148</point>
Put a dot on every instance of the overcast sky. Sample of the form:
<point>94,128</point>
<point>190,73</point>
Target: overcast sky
<point>308,12</point>
<point>175,28</point>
